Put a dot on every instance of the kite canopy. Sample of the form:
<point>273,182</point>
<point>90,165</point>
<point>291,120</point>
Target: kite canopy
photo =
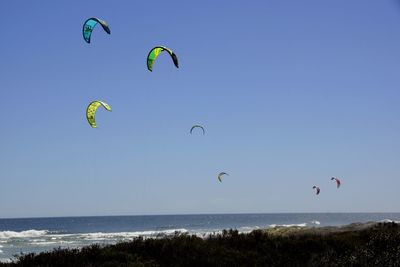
<point>220,175</point>
<point>92,109</point>
<point>155,52</point>
<point>197,126</point>
<point>317,189</point>
<point>89,25</point>
<point>338,182</point>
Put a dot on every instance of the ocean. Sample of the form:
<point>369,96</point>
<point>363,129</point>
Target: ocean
<point>42,234</point>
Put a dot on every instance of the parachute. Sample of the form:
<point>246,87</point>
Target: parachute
<point>197,126</point>
<point>89,25</point>
<point>155,52</point>
<point>317,189</point>
<point>92,109</point>
<point>220,175</point>
<point>338,182</point>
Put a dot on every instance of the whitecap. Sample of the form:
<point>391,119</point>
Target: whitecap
<point>124,235</point>
<point>114,236</point>
<point>288,225</point>
<point>389,221</point>
<point>46,243</point>
<point>247,229</point>
<point>22,234</point>
<point>206,234</point>
<point>5,260</point>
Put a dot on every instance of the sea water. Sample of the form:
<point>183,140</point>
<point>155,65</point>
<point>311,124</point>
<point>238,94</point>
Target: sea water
<point>43,234</point>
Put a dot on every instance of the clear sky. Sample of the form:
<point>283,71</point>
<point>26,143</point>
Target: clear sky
<point>290,93</point>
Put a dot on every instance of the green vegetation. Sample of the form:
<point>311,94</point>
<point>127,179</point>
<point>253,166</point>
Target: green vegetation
<point>357,245</point>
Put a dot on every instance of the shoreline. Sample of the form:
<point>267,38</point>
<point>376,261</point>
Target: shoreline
<point>275,246</point>
<point>324,230</point>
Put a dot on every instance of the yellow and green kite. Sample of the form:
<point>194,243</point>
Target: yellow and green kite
<point>92,109</point>
<point>155,52</point>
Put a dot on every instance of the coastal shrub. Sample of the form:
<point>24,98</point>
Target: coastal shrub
<point>378,245</point>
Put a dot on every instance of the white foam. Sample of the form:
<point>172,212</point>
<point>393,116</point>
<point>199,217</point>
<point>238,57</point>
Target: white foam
<point>207,234</point>
<point>1,251</point>
<point>22,234</point>
<point>389,221</point>
<point>49,243</point>
<point>101,236</point>
<point>315,222</point>
<point>40,234</point>
<point>247,229</point>
<point>204,233</point>
<point>5,260</point>
<point>124,235</point>
<point>288,225</point>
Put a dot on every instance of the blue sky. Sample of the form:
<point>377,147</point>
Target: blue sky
<point>290,93</point>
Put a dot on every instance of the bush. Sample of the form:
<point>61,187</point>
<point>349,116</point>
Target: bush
<point>375,246</point>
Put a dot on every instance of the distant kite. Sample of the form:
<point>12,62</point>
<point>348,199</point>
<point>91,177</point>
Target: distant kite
<point>338,182</point>
<point>155,52</point>
<point>197,126</point>
<point>89,25</point>
<point>92,109</point>
<point>317,190</point>
<point>220,175</point>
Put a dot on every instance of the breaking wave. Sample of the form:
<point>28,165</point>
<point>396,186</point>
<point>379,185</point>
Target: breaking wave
<point>388,221</point>
<point>120,235</point>
<point>41,236</point>
<point>247,229</point>
<point>22,234</point>
<point>5,260</point>
<point>288,225</point>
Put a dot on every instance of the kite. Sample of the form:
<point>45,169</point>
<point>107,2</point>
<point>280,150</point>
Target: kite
<point>92,109</point>
<point>338,182</point>
<point>317,190</point>
<point>89,25</point>
<point>220,175</point>
<point>197,126</point>
<point>155,52</point>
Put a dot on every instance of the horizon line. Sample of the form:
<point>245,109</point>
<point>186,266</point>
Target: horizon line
<point>195,214</point>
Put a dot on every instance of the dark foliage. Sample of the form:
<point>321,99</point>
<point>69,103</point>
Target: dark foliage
<point>375,246</point>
